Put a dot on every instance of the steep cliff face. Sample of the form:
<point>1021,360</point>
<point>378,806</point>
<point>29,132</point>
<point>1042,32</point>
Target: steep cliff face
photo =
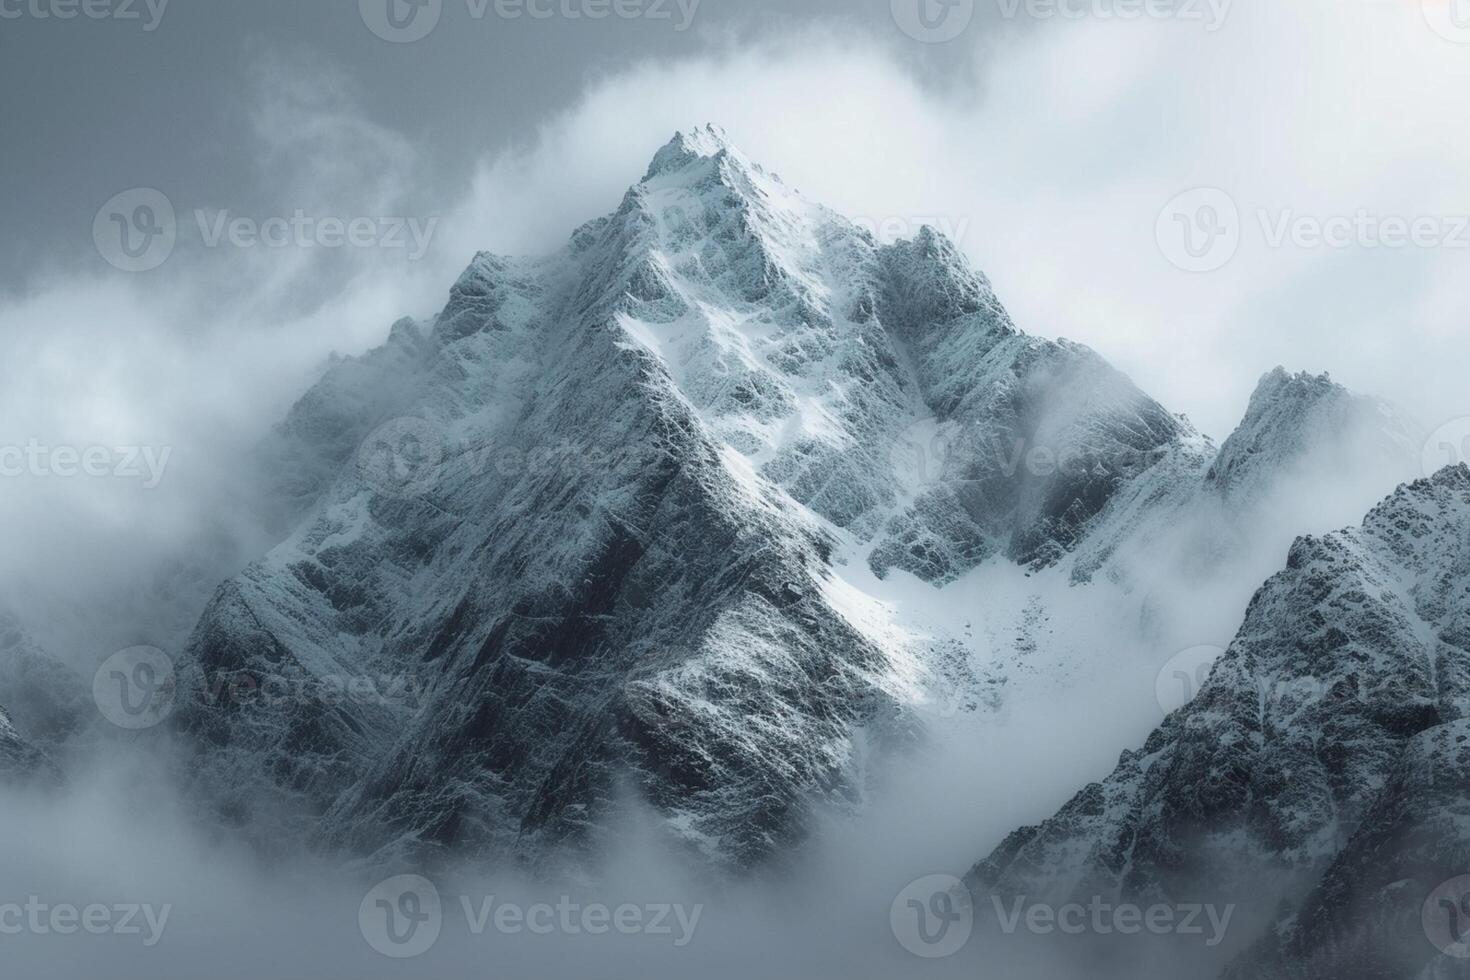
<point>582,527</point>
<point>618,526</point>
<point>44,700</point>
<point>1308,455</point>
<point>1318,765</point>
<point>21,763</point>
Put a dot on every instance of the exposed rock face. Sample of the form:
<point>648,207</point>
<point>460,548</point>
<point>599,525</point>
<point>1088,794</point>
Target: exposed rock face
<point>1301,422</point>
<point>589,544</point>
<point>1309,453</point>
<point>589,536</point>
<point>1320,766</point>
<point>21,763</point>
<point>46,700</point>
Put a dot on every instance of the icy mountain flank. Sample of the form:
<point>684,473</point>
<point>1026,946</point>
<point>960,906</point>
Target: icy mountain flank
<point>583,523</point>
<point>603,535</point>
<point>1308,455</point>
<point>1318,778</point>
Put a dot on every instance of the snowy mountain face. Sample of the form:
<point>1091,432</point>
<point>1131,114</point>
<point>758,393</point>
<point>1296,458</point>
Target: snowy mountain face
<point>1309,455</point>
<point>623,526</point>
<point>1318,778</point>
<point>584,526</point>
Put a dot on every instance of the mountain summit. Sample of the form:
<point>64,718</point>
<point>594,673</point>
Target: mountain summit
<point>602,536</point>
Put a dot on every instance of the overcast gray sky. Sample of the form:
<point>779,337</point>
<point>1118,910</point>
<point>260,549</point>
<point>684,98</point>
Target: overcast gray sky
<point>94,106</point>
<point>1201,190</point>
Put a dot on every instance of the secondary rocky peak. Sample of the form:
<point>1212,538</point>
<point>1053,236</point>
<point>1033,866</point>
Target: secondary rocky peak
<point>1299,420</point>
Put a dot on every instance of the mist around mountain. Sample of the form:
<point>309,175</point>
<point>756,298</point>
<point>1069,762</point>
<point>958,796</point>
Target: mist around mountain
<point>732,556</point>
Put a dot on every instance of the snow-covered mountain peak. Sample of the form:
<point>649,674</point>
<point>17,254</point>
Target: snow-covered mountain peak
<point>698,144</point>
<point>1298,420</point>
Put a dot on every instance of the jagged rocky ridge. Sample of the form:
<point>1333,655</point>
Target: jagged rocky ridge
<point>1309,453</point>
<point>579,541</point>
<point>45,701</point>
<point>612,576</point>
<point>1321,766</point>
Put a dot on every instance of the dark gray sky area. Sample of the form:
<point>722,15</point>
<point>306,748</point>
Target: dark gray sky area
<point>91,106</point>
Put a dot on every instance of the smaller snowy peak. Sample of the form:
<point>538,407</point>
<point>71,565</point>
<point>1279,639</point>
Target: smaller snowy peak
<point>929,281</point>
<point>703,143</point>
<point>1302,421</point>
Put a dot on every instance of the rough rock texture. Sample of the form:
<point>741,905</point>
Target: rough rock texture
<point>1309,453</point>
<point>573,543</point>
<point>1321,765</point>
<point>46,700</point>
<point>19,760</point>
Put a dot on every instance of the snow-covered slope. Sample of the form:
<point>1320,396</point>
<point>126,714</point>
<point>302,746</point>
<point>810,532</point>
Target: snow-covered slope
<point>1308,456</point>
<point>639,524</point>
<point>1318,767</point>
